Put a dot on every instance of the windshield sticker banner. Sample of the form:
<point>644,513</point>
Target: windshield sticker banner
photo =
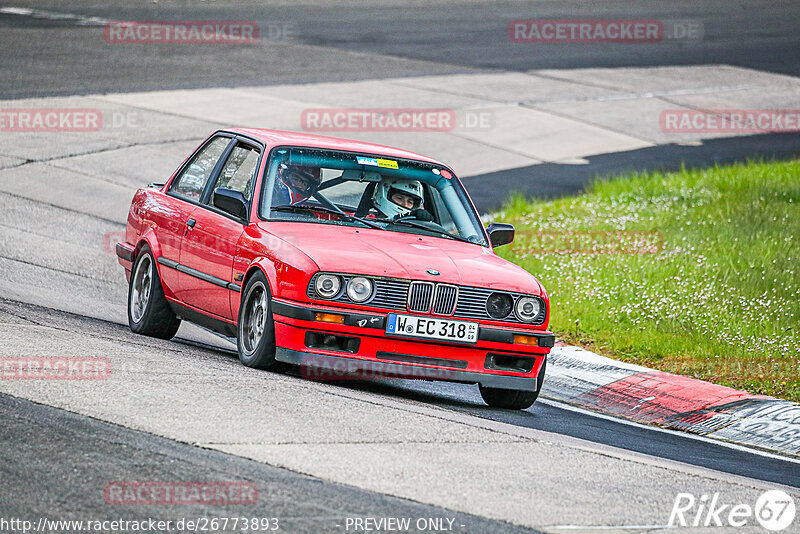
<point>387,163</point>
<point>377,162</point>
<point>367,161</point>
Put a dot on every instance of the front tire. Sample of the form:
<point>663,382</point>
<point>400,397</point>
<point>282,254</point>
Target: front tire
<point>255,332</point>
<point>149,313</point>
<point>512,399</point>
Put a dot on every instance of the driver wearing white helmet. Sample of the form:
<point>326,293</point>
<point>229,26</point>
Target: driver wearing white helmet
<point>397,197</point>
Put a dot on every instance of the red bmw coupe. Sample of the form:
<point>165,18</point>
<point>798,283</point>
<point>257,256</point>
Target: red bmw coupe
<point>338,256</point>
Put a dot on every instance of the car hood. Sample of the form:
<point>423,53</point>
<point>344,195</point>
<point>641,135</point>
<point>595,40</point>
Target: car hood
<point>367,251</point>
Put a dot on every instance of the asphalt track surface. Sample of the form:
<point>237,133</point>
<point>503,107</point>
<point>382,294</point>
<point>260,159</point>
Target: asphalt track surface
<point>546,415</point>
<point>109,452</point>
<point>327,41</point>
<point>368,39</point>
<point>553,416</point>
<point>56,461</point>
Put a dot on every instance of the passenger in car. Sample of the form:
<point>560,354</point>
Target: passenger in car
<point>295,184</point>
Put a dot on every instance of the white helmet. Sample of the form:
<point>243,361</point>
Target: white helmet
<point>391,190</point>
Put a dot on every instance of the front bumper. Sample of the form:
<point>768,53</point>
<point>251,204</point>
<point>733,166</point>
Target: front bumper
<point>362,348</point>
<point>329,367</point>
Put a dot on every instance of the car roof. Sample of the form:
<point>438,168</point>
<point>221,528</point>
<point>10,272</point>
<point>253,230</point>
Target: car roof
<point>278,137</point>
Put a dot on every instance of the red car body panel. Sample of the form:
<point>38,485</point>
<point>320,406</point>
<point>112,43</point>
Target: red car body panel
<point>398,255</point>
<point>209,247</point>
<point>290,253</point>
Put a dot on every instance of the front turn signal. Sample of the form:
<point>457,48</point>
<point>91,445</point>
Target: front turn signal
<point>330,318</point>
<point>525,340</point>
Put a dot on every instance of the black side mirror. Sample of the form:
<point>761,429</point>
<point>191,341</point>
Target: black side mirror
<point>500,234</point>
<point>232,202</point>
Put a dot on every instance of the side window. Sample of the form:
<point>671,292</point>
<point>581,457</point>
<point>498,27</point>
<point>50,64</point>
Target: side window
<point>239,171</point>
<point>194,177</point>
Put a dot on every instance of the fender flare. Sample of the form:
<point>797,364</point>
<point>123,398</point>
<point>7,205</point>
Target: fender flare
<point>149,238</point>
<point>267,268</point>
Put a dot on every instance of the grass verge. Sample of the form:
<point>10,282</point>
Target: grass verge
<point>693,272</point>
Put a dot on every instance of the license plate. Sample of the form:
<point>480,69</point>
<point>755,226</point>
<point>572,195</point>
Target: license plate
<point>431,328</point>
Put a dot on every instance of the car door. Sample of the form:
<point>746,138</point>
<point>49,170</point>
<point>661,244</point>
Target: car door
<point>210,244</point>
<point>183,195</point>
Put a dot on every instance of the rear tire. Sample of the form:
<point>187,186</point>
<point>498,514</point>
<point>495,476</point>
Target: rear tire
<point>255,331</point>
<point>149,313</point>
<point>512,399</point>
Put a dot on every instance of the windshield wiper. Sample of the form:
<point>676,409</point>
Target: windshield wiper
<point>336,209</point>
<point>413,224</point>
<point>340,213</point>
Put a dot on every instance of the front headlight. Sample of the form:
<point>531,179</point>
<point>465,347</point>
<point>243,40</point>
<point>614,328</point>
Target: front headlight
<point>327,286</point>
<point>499,305</point>
<point>359,289</point>
<point>527,309</point>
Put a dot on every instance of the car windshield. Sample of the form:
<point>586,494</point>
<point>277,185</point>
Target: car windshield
<point>346,188</point>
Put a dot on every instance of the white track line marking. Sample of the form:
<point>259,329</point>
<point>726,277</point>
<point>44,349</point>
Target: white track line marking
<point>678,433</point>
<point>81,20</point>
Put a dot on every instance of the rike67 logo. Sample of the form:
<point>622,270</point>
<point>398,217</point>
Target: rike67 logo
<point>774,510</point>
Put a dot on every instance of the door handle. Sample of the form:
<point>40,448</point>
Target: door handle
<point>189,225</point>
